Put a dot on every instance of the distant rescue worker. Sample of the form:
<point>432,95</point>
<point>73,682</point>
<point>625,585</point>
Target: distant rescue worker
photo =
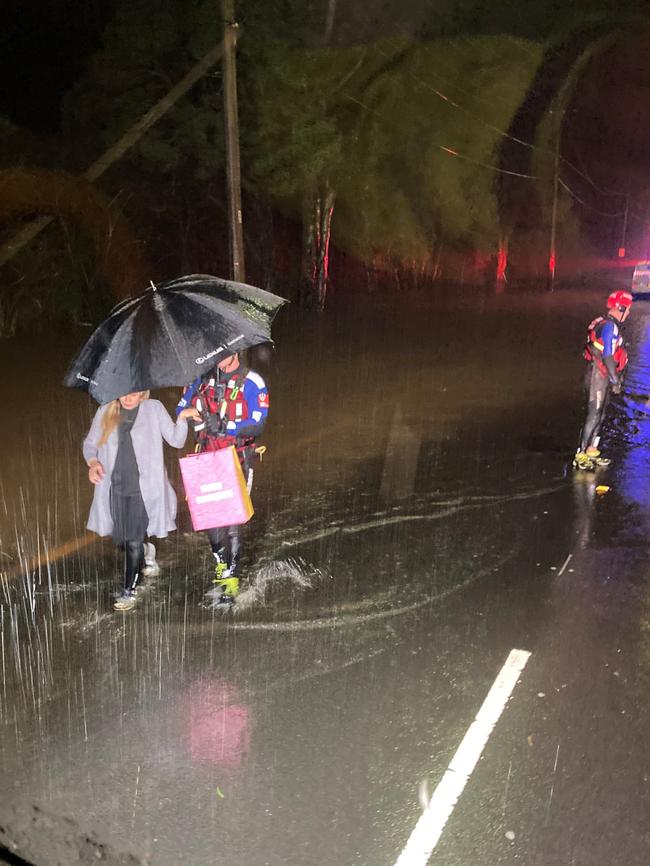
<point>607,359</point>
<point>229,406</point>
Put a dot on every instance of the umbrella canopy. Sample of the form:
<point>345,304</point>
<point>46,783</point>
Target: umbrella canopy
<point>171,334</point>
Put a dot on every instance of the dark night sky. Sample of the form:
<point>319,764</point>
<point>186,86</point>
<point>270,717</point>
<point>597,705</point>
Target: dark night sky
<point>45,43</point>
<point>607,134</point>
<point>43,47</point>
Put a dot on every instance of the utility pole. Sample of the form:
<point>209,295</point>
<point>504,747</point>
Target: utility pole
<point>621,249</point>
<point>231,118</point>
<point>626,213</point>
<point>329,21</point>
<point>556,174</point>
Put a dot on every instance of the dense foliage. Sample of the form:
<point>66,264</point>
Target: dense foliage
<point>383,121</point>
<point>366,120</point>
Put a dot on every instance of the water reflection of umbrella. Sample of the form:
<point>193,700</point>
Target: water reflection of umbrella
<point>171,334</point>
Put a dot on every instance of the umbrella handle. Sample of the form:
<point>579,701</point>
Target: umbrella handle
<point>205,414</point>
<point>198,448</point>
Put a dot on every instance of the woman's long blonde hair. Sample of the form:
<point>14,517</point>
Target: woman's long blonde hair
<point>111,417</point>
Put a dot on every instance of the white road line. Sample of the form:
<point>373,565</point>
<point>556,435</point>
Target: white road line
<point>431,823</point>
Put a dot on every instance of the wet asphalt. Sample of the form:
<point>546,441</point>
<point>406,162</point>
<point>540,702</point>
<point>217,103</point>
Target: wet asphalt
<point>416,519</point>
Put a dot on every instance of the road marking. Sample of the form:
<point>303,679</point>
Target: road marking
<point>51,556</point>
<point>431,823</point>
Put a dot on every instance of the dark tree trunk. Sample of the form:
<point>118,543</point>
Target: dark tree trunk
<point>317,226</point>
<point>326,209</point>
<point>318,209</point>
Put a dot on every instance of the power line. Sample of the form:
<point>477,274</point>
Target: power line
<point>590,181</point>
<point>584,203</point>
<point>471,114</point>
<point>451,151</point>
<point>442,96</point>
<point>485,165</point>
<point>439,76</point>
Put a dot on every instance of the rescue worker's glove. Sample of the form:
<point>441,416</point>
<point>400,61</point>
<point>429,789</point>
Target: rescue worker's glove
<point>214,425</point>
<point>617,387</point>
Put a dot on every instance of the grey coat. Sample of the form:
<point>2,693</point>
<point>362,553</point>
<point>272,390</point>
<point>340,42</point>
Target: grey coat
<point>151,426</point>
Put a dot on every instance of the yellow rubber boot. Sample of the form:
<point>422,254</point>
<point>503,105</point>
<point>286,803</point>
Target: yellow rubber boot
<point>594,455</point>
<point>220,571</point>
<point>230,589</point>
<point>583,461</point>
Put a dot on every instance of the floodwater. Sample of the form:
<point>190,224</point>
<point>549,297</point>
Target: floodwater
<point>416,519</point>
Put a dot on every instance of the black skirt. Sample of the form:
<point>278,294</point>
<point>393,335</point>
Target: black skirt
<point>130,518</point>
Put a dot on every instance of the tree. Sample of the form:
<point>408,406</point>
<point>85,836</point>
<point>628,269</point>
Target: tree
<point>121,258</point>
<point>409,163</point>
<point>146,49</point>
<point>402,136</point>
<point>295,152</point>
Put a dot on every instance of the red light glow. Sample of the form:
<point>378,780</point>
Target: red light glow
<point>502,264</point>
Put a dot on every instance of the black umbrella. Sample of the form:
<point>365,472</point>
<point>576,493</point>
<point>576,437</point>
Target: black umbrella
<point>171,334</point>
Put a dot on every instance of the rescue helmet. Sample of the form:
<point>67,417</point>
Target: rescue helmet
<point>619,300</point>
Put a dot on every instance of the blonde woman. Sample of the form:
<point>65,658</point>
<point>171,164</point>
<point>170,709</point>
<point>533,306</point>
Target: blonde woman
<point>133,497</point>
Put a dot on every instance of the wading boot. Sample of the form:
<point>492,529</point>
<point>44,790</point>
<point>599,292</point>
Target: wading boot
<point>225,586</point>
<point>596,457</point>
<point>583,462</point>
<point>224,592</point>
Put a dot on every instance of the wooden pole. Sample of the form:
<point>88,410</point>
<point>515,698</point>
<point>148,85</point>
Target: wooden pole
<point>231,118</point>
<point>556,176</point>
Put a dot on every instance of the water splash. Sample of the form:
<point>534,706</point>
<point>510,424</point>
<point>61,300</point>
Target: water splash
<point>295,572</point>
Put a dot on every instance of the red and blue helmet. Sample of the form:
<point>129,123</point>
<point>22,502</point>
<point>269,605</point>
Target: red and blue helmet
<point>619,300</point>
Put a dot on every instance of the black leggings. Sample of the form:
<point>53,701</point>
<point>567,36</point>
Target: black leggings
<point>226,545</point>
<point>133,563</point>
<point>598,389</point>
<point>225,541</point>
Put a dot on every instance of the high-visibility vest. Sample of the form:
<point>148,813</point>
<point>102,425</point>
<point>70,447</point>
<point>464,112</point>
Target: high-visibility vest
<point>594,348</point>
<point>227,400</point>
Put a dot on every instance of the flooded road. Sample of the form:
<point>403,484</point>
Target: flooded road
<point>416,519</point>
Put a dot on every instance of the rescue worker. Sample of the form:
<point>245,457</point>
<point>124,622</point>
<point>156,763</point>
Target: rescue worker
<point>229,406</point>
<point>607,360</point>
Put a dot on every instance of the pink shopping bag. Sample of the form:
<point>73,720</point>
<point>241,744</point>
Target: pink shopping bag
<point>216,489</point>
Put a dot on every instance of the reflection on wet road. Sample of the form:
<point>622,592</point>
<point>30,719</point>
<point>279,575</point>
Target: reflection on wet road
<point>414,523</point>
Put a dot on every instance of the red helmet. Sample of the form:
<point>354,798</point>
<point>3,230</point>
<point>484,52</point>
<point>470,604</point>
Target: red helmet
<point>620,300</point>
